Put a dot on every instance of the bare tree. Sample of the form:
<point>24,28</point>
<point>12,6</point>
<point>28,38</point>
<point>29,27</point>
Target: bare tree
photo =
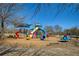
<point>72,31</point>
<point>57,29</point>
<point>49,30</point>
<point>7,12</point>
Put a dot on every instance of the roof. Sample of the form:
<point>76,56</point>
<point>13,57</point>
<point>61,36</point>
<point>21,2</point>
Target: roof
<point>23,25</point>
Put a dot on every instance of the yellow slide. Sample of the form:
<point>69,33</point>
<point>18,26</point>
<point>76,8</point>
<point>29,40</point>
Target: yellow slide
<point>31,35</point>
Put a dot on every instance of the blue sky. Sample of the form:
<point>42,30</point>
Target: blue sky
<point>46,16</point>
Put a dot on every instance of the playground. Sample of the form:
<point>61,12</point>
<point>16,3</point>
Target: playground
<point>38,42</point>
<point>37,37</point>
<point>39,29</point>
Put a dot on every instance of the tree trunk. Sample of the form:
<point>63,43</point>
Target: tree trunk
<point>2,28</point>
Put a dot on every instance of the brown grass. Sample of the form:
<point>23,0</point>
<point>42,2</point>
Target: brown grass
<point>35,47</point>
<point>29,43</point>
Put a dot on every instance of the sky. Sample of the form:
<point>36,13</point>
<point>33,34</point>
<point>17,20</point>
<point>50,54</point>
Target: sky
<point>47,15</point>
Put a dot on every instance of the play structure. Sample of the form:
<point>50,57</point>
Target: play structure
<point>65,38</point>
<point>36,32</point>
<point>17,34</point>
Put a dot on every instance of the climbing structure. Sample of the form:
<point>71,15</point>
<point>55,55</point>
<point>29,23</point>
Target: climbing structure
<point>38,33</point>
<point>17,34</point>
